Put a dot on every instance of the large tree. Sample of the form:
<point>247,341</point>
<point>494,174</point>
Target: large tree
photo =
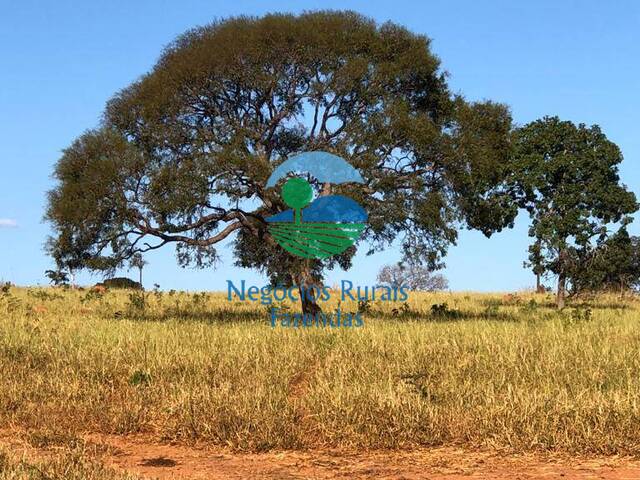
<point>183,154</point>
<point>568,181</point>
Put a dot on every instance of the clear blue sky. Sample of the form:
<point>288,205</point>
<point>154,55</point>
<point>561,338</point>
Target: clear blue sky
<point>60,61</point>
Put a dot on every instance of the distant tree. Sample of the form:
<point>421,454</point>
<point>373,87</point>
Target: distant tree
<point>567,179</point>
<point>613,265</point>
<point>57,277</point>
<point>415,277</point>
<point>138,262</point>
<point>121,283</point>
<point>183,154</point>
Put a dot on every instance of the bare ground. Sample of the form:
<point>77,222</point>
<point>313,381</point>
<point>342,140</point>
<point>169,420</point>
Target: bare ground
<point>151,460</point>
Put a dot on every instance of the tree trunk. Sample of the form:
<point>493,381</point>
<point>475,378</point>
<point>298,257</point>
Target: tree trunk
<point>562,276</point>
<point>144,300</point>
<point>309,305</point>
<point>561,290</point>
<point>305,280</point>
<point>308,299</point>
<point>538,285</point>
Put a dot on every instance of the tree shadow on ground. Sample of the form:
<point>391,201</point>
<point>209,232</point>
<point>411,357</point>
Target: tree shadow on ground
<point>225,315</point>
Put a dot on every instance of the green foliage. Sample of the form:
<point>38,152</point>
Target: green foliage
<point>183,154</point>
<point>121,283</point>
<point>491,311</point>
<point>567,180</point>
<point>442,310</point>
<point>530,307</point>
<point>92,295</point>
<point>140,377</point>
<point>402,311</point>
<point>136,302</point>
<point>613,264</point>
<point>8,300</point>
<point>364,306</point>
<point>137,261</point>
<point>57,277</point>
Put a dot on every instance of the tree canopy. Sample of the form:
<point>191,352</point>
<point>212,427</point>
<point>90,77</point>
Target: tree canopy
<point>412,276</point>
<point>612,264</point>
<point>182,155</point>
<point>568,181</point>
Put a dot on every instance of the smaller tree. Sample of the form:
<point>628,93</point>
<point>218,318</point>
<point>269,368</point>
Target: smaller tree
<point>415,277</point>
<point>57,278</point>
<point>613,265</point>
<point>566,177</point>
<point>138,262</point>
<point>121,283</point>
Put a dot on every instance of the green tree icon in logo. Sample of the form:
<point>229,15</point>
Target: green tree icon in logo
<point>317,237</point>
<point>321,227</point>
<point>297,194</point>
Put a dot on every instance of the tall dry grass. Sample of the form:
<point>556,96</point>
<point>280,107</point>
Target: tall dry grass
<point>72,463</point>
<point>484,370</point>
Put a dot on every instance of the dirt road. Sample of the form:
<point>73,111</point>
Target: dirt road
<point>151,460</point>
<point>179,462</point>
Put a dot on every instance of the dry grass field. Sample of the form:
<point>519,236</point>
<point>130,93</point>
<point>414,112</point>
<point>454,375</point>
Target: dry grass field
<point>506,373</point>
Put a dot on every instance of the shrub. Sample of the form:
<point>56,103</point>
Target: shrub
<point>120,283</point>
